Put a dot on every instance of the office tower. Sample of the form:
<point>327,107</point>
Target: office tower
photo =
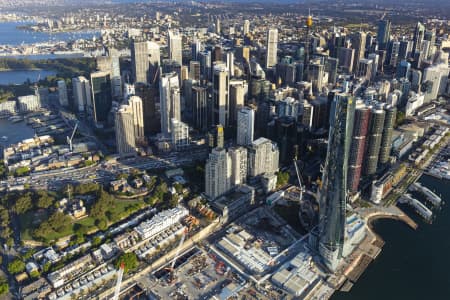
<point>218,27</point>
<point>245,126</point>
<point>246,27</point>
<point>386,140</point>
<point>263,157</point>
<point>435,79</point>
<point>333,193</point>
<point>416,80</point>
<point>384,32</point>
<point>358,144</point>
<point>359,44</point>
<point>403,69</point>
<point>175,47</point>
<point>138,116</point>
<point>170,102</point>
<point>217,54</point>
<point>194,70</point>
<point>288,107</point>
<point>419,34</point>
<point>316,76</point>
<point>246,54</point>
<point>404,51</point>
<point>148,94</point>
<point>393,50</point>
<point>81,93</point>
<point>238,165</point>
<point>124,127</point>
<point>179,133</point>
<point>346,57</point>
<point>101,96</point>
<point>116,79</point>
<point>364,70</point>
<point>139,62</point>
<point>200,108</point>
<point>230,63</point>
<point>62,93</point>
<point>307,116</point>
<point>375,59</point>
<point>154,58</point>
<point>237,96</point>
<point>220,95</point>
<point>374,138</point>
<point>217,173</point>
<point>272,47</point>
<point>128,90</point>
<point>215,137</point>
<point>331,67</point>
<point>196,48</point>
<point>205,63</point>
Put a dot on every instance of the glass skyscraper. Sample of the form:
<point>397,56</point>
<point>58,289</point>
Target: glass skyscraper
<point>333,193</point>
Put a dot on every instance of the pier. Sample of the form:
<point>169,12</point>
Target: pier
<point>421,209</point>
<point>429,195</point>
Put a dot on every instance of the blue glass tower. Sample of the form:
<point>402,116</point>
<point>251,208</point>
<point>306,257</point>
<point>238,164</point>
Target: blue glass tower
<point>333,193</point>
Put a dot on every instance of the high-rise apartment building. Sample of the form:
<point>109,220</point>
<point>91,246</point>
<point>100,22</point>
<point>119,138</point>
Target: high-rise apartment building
<point>374,140</point>
<point>217,173</point>
<point>138,116</point>
<point>245,126</point>
<point>238,165</point>
<point>386,139</point>
<point>62,93</point>
<point>263,157</point>
<point>81,93</point>
<point>124,127</point>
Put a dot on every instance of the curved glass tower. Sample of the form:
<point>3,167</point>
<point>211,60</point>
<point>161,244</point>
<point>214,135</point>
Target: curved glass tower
<point>333,194</point>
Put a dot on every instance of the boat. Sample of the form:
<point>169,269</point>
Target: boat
<point>4,138</point>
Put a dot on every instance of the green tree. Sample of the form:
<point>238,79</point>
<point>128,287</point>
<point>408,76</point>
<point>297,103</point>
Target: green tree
<point>101,224</point>
<point>45,200</point>
<point>400,118</point>
<point>16,266</point>
<point>4,287</point>
<point>35,274</point>
<point>23,204</point>
<point>129,260</point>
<point>282,178</point>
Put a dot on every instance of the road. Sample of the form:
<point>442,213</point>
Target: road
<point>104,172</point>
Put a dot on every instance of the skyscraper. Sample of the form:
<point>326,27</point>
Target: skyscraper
<point>101,96</point>
<point>237,97</point>
<point>194,70</point>
<point>138,116</point>
<point>359,44</point>
<point>62,93</point>
<point>175,47</point>
<point>217,173</point>
<point>221,99</point>
<point>384,32</point>
<point>246,27</point>
<point>374,137</point>
<point>148,93</point>
<point>215,137</point>
<point>419,34</point>
<point>357,149</point>
<point>263,157</point>
<point>81,93</point>
<point>386,139</point>
<point>200,108</point>
<point>179,133</point>
<point>124,127</point>
<point>238,165</point>
<point>333,193</point>
<point>169,91</point>
<point>245,126</point>
<point>272,47</point>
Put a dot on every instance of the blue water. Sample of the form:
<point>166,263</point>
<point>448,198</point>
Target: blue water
<point>413,265</point>
<point>10,35</point>
<point>15,132</point>
<point>21,76</point>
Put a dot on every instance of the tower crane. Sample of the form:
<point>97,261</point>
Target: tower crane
<point>69,139</point>
<point>119,282</point>
<point>171,269</point>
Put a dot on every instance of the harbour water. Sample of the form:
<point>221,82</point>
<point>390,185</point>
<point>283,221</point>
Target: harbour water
<point>413,265</point>
<point>21,76</point>
<point>10,35</point>
<point>15,132</point>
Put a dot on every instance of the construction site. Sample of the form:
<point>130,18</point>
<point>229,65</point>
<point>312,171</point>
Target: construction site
<point>195,274</point>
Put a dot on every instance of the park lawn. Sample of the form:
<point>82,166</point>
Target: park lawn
<point>123,208</point>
